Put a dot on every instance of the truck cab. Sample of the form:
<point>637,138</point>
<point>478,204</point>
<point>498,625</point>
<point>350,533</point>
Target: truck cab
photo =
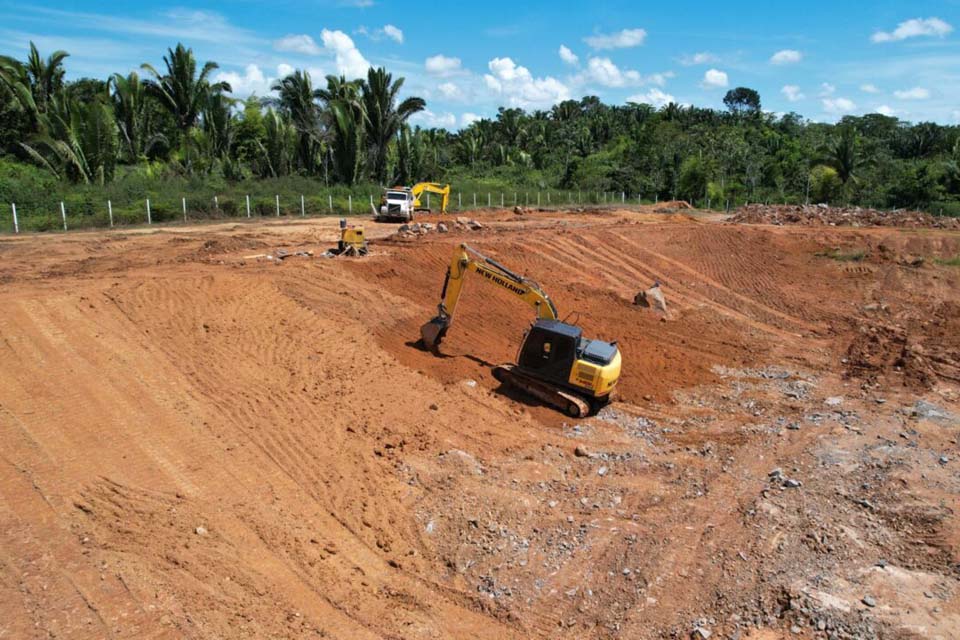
<point>397,204</point>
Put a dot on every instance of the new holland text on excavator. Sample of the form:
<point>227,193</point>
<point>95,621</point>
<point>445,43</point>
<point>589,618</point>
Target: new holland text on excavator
<point>556,364</point>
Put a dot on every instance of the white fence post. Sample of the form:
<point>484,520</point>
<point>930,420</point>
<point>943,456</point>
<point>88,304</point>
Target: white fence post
<point>489,200</point>
<point>459,201</point>
<point>548,197</point>
<point>63,214</point>
<point>303,206</point>
<point>149,217</point>
<point>16,225</point>
<point>330,201</point>
<point>248,206</point>
<point>474,200</point>
<point>501,198</point>
<point>623,196</point>
<point>110,212</point>
<point>216,202</point>
<point>278,205</point>
<point>183,202</point>
<point>538,198</point>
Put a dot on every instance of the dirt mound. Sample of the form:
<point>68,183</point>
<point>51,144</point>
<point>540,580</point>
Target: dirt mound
<point>821,214</point>
<point>669,206</point>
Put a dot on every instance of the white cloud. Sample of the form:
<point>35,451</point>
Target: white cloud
<point>916,93</point>
<point>869,88</point>
<point>659,79</point>
<point>520,88</point>
<point>301,43</point>
<point>604,72</point>
<point>703,57</point>
<point>349,61</point>
<point>283,70</point>
<point>621,40</point>
<point>468,118</point>
<point>252,81</point>
<point>827,89</point>
<point>914,28</point>
<point>654,96</point>
<point>714,79</point>
<point>838,105</point>
<point>388,31</point>
<point>956,116</point>
<point>792,92</point>
<point>568,56</point>
<point>393,33</point>
<point>786,56</point>
<point>885,110</point>
<point>449,90</point>
<point>435,120</point>
<point>442,66</point>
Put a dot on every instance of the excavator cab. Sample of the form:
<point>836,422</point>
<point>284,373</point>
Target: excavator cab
<point>557,352</point>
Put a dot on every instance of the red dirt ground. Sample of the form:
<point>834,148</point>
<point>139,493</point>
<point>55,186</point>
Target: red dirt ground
<point>199,442</point>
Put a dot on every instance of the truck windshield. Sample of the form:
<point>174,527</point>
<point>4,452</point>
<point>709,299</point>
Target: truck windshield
<point>396,195</point>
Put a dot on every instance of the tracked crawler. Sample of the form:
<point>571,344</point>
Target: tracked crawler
<point>556,364</point>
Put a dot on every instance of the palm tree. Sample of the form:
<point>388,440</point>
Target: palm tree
<point>130,106</point>
<point>181,91</point>
<point>339,88</point>
<point>77,140</point>
<point>347,147</point>
<point>843,154</point>
<point>383,116</point>
<point>298,101</point>
<point>279,144</point>
<point>35,83</point>
<point>46,76</point>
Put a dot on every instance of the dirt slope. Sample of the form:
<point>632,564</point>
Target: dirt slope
<point>199,443</point>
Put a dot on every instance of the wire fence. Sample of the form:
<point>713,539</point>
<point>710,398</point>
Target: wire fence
<point>87,213</point>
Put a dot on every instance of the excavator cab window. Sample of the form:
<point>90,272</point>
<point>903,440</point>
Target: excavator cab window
<point>550,354</point>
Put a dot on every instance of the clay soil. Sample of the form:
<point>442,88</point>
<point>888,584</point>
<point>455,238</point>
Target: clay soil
<point>200,442</point>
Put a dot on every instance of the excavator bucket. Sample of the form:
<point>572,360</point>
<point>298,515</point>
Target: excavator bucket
<point>432,332</point>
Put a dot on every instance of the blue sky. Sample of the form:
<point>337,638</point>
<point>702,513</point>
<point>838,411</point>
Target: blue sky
<point>821,59</point>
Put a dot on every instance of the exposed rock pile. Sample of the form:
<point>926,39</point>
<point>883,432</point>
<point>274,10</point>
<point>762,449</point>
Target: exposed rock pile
<point>413,230</point>
<point>822,214</point>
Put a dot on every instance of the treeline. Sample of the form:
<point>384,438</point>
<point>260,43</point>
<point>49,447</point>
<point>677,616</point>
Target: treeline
<point>177,123</point>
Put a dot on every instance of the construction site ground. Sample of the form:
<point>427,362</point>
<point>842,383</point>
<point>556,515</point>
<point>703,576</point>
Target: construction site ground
<point>199,441</point>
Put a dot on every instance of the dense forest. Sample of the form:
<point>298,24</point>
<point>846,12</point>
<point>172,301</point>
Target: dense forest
<point>137,133</point>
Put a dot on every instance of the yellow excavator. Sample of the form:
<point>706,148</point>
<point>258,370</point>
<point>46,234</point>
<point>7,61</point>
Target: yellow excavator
<point>556,364</point>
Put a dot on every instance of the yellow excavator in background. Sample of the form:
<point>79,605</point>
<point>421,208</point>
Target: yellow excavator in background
<point>443,190</point>
<point>399,203</point>
<point>556,364</point>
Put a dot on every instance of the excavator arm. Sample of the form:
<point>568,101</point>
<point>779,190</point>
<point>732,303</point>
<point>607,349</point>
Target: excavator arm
<point>443,190</point>
<point>466,260</point>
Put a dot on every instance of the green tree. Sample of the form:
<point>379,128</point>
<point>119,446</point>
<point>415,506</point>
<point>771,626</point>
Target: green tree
<point>742,101</point>
<point>182,91</point>
<point>384,116</point>
<point>77,140</point>
<point>297,99</point>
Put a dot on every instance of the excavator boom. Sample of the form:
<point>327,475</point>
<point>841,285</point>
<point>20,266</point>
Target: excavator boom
<point>443,190</point>
<point>465,260</point>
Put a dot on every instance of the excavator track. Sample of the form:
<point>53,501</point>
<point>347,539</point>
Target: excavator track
<point>570,403</point>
